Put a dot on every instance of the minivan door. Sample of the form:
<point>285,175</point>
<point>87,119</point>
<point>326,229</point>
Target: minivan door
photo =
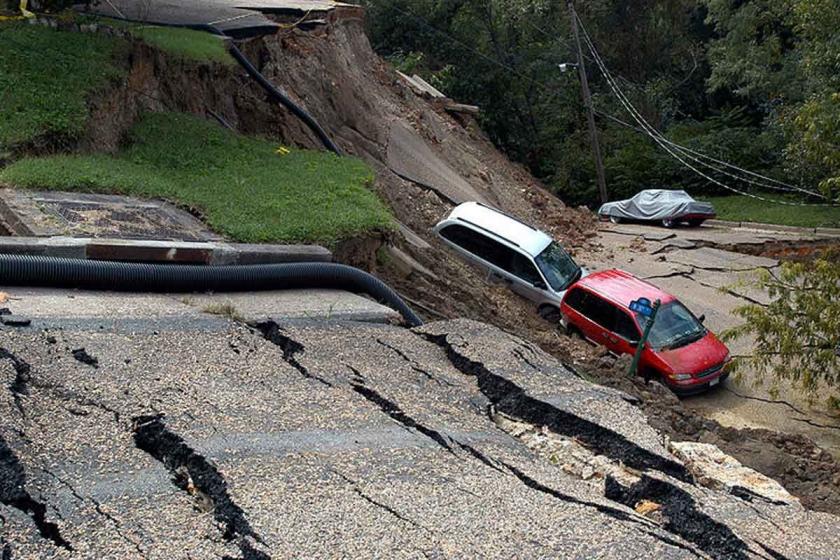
<point>528,282</point>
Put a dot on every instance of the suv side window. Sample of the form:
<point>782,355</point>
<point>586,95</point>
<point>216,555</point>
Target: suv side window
<point>576,299</point>
<point>491,251</point>
<point>525,269</point>
<point>625,327</point>
<point>602,312</point>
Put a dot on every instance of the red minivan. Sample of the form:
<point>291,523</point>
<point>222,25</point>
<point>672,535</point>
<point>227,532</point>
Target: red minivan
<point>687,356</point>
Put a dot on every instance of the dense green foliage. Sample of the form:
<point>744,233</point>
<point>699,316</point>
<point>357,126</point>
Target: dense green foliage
<point>752,82</point>
<point>244,188</point>
<point>797,336</point>
<point>45,78</point>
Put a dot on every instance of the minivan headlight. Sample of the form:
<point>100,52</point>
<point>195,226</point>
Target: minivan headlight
<point>682,376</point>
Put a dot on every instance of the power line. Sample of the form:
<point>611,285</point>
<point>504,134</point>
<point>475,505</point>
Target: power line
<point>656,135</point>
<point>672,148</point>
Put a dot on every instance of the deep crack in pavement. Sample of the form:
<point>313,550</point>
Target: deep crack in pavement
<point>194,474</point>
<point>13,494</point>
<point>509,398</point>
<point>272,332</point>
<point>682,516</point>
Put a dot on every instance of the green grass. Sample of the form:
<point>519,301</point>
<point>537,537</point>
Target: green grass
<point>745,209</point>
<point>245,190</point>
<point>184,43</point>
<point>46,77</point>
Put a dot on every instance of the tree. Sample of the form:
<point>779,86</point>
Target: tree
<point>781,56</point>
<point>797,336</point>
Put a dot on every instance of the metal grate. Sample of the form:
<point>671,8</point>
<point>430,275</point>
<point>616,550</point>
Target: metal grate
<point>126,222</point>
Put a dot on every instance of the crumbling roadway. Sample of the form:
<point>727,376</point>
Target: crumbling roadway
<point>142,427</point>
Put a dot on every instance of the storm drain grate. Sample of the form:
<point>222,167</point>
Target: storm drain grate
<point>122,221</point>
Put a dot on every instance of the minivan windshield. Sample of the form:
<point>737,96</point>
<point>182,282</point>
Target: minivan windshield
<point>674,327</point>
<point>558,267</point>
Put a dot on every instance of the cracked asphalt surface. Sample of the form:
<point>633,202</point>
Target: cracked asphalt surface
<point>200,437</point>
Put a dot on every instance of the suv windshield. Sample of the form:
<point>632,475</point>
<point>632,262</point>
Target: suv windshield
<point>558,267</point>
<point>675,326</point>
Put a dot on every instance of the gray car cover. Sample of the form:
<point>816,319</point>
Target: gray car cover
<point>656,205</point>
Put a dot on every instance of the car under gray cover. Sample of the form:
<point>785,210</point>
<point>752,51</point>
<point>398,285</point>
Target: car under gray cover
<point>659,205</point>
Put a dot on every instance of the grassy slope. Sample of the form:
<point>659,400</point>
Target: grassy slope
<point>190,44</point>
<point>244,188</point>
<point>45,79</point>
<point>744,209</point>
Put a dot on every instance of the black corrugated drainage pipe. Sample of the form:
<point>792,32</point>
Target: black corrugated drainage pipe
<point>27,270</point>
<point>272,91</point>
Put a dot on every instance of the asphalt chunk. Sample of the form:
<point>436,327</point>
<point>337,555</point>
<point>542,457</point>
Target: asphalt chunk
<point>81,355</point>
<point>13,494</point>
<point>682,516</point>
<point>20,384</point>
<point>195,474</point>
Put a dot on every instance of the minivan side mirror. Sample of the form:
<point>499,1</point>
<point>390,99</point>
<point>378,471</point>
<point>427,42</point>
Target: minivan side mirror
<point>702,318</point>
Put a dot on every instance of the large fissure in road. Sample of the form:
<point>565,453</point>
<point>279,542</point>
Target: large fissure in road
<point>13,493</point>
<point>194,474</point>
<point>509,398</point>
<point>681,516</point>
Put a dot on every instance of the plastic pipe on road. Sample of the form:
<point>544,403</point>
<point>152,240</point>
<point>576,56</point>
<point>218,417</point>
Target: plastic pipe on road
<point>28,270</point>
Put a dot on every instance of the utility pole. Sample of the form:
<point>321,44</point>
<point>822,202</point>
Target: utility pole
<point>587,101</point>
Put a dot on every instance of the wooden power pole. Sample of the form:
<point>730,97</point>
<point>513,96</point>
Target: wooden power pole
<point>590,114</point>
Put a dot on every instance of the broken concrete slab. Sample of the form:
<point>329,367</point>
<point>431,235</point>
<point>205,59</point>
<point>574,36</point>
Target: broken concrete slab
<point>658,236</point>
<point>237,19</point>
<point>188,252</point>
<point>415,240</point>
<point>671,244</point>
<point>48,306</point>
<point>708,258</point>
<point>51,214</point>
<point>715,469</point>
<point>410,157</point>
<point>738,284</point>
<point>291,305</point>
<point>406,264</point>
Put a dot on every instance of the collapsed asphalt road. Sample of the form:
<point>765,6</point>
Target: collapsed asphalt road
<point>200,437</point>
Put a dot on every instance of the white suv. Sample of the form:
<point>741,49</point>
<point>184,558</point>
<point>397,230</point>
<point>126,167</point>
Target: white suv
<point>526,259</point>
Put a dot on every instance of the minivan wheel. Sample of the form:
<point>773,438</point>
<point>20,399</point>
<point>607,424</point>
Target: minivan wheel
<point>549,313</point>
<point>669,223</point>
<point>615,219</point>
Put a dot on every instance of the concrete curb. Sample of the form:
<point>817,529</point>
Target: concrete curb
<point>775,227</point>
<point>184,252</point>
